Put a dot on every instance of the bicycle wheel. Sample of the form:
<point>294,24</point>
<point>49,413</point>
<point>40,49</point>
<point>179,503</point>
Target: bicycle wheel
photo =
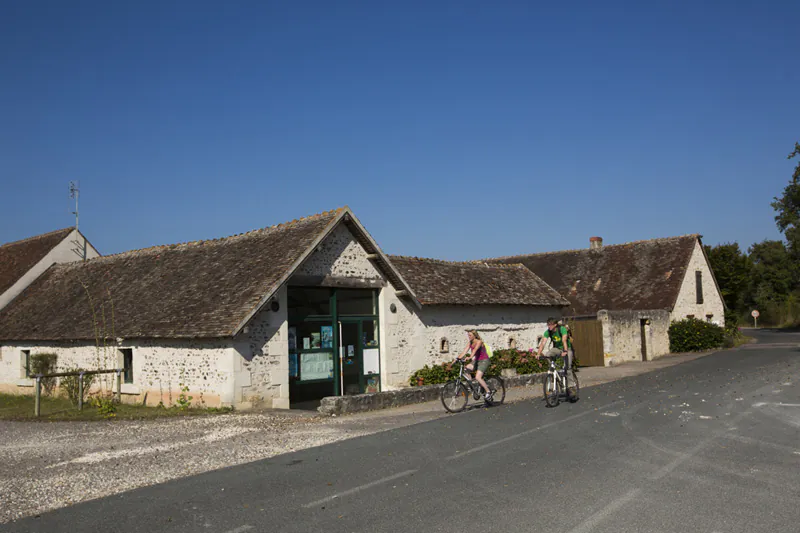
<point>454,396</point>
<point>551,390</point>
<point>573,387</point>
<point>498,387</point>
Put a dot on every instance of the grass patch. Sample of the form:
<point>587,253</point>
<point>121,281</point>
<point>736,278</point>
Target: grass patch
<point>20,407</point>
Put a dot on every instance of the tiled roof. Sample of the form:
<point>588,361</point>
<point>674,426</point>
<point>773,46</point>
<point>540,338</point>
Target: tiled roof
<point>17,258</point>
<point>637,275</point>
<point>199,289</point>
<point>474,283</point>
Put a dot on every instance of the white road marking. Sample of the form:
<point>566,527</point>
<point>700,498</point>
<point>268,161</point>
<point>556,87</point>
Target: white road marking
<point>358,489</point>
<point>528,432</point>
<point>241,529</point>
<point>779,404</point>
<point>590,523</point>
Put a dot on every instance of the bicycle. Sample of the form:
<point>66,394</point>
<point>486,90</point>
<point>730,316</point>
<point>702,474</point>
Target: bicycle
<point>555,383</point>
<point>455,393</point>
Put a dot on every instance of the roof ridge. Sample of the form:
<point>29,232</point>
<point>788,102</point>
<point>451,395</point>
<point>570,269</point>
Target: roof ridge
<point>41,236</point>
<point>475,263</point>
<point>578,250</point>
<point>159,247</point>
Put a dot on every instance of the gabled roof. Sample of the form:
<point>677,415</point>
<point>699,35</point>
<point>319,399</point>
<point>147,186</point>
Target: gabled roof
<point>202,289</point>
<point>474,283</point>
<point>637,275</point>
<point>17,258</point>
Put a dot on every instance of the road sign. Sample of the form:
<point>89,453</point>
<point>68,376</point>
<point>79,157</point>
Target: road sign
<point>755,313</point>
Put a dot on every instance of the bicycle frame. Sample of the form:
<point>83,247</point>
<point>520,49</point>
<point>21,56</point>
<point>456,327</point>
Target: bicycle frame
<point>470,382</point>
<point>561,380</point>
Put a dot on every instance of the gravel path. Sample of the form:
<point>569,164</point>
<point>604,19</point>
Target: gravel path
<point>44,466</point>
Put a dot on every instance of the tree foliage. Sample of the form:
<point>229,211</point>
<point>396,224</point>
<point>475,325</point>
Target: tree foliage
<point>767,277</point>
<point>787,207</point>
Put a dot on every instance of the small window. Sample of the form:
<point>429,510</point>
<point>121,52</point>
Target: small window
<point>127,364</point>
<point>689,316</point>
<point>698,277</point>
<point>25,363</point>
<point>709,316</point>
<point>512,343</point>
<point>444,346</point>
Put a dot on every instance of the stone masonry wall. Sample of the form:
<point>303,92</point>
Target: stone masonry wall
<point>686,303</point>
<point>622,335</point>
<point>160,368</point>
<point>262,359</point>
<point>340,255</point>
<point>415,339</point>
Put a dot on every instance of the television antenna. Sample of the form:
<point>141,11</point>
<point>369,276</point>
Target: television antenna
<point>74,193</point>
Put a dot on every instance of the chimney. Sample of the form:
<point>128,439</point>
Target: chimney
<point>595,243</point>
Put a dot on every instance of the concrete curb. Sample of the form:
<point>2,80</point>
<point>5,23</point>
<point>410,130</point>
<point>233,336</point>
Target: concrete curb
<point>359,403</point>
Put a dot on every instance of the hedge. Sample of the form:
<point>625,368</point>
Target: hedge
<point>692,335</point>
<point>524,362</point>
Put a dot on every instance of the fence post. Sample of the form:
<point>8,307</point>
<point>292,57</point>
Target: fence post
<point>37,408</point>
<point>80,391</point>
<point>119,386</point>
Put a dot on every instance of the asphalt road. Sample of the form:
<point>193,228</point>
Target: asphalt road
<point>710,445</point>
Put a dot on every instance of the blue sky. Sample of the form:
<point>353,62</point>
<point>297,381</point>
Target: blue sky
<point>454,130</point>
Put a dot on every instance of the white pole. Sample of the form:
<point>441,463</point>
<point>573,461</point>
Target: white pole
<point>341,362</point>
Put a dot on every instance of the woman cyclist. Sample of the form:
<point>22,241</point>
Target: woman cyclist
<point>477,352</point>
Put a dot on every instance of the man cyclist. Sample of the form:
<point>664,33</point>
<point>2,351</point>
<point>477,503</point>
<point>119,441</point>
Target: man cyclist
<point>562,343</point>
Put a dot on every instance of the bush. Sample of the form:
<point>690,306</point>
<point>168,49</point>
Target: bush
<point>70,384</point>
<point>692,335</point>
<point>105,406</point>
<point>523,362</point>
<point>45,363</point>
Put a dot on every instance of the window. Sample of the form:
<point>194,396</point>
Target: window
<point>305,302</point>
<point>444,346</point>
<point>698,278</point>
<point>355,302</point>
<point>512,343</point>
<point>25,363</point>
<point>127,364</point>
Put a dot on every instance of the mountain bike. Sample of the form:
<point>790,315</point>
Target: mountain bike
<point>455,393</point>
<point>555,384</point>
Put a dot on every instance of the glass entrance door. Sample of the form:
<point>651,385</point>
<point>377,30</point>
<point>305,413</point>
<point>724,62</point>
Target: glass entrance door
<point>351,357</point>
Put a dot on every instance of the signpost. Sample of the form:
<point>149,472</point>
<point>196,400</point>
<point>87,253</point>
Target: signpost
<point>755,314</point>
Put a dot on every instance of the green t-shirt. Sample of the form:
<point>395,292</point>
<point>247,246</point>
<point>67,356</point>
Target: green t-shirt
<point>557,337</point>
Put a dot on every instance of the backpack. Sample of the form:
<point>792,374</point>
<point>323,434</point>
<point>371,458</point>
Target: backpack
<point>569,333</point>
<point>487,348</point>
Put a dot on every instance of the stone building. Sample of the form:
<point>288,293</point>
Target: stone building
<point>634,290</point>
<point>21,262</point>
<point>275,317</point>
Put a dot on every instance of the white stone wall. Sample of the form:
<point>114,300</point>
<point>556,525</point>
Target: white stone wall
<point>686,303</point>
<point>339,255</point>
<point>262,359</point>
<point>622,335</point>
<point>160,368</point>
<point>414,339</point>
<point>74,247</point>
<point>400,332</point>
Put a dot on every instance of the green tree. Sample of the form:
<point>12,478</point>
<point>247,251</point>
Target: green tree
<point>731,268</point>
<point>788,208</point>
<point>772,280</point>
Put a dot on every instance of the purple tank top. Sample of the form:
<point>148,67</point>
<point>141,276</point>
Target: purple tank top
<point>481,354</point>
